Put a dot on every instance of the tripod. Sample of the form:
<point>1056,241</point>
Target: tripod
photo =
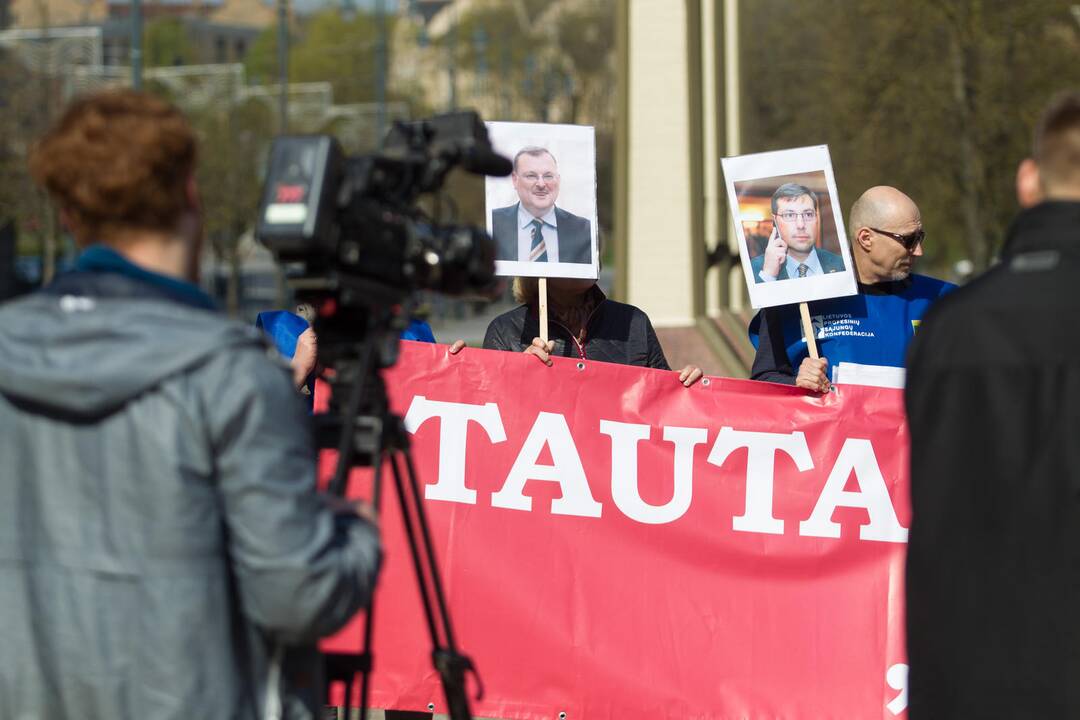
<point>366,433</point>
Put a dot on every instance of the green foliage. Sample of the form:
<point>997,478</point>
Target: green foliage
<point>28,103</point>
<point>936,97</point>
<point>328,46</point>
<point>166,42</point>
<point>339,50</point>
<point>261,60</point>
<point>507,42</point>
<point>233,143</point>
<point>546,61</point>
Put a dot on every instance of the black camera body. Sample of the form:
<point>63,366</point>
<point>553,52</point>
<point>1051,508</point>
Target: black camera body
<point>355,245</point>
<point>339,223</point>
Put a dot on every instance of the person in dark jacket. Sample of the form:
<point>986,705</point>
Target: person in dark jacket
<point>163,552</point>
<point>582,323</point>
<point>993,401</point>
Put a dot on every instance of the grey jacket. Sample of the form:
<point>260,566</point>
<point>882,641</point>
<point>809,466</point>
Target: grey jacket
<point>161,542</point>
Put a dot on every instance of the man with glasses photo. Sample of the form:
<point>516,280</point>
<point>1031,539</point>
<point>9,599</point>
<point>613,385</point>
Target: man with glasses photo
<point>872,327</point>
<point>534,229</point>
<point>792,251</point>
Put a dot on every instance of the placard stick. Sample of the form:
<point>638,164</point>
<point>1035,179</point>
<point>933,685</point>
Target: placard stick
<point>808,330</point>
<point>542,291</point>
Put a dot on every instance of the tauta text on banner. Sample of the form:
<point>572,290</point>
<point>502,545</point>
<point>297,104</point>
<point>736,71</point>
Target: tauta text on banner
<point>615,545</point>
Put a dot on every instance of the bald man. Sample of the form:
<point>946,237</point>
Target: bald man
<point>873,327</point>
<point>993,401</point>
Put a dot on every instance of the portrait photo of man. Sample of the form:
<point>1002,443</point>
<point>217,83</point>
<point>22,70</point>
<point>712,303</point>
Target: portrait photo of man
<point>792,251</point>
<point>535,229</point>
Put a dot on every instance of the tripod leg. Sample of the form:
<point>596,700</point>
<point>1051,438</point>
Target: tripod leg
<point>369,622</point>
<point>346,444</point>
<point>450,664</point>
<point>429,550</point>
<point>414,547</point>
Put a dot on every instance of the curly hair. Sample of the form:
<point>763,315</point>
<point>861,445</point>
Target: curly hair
<point>117,160</point>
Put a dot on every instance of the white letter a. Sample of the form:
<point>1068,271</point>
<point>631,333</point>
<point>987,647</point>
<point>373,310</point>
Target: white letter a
<point>549,429</point>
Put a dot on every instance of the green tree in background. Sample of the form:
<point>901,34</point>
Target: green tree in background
<point>28,103</point>
<point>234,141</point>
<point>166,42</point>
<point>543,57</point>
<point>936,97</point>
<point>261,61</point>
<point>326,47</point>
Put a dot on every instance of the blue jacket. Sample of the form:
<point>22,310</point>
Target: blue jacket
<point>873,327</point>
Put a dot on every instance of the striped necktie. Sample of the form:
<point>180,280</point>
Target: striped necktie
<point>538,253</point>
<point>803,268</point>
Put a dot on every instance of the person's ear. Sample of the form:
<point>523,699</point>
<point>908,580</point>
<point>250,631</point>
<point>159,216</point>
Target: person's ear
<point>864,238</point>
<point>1029,189</point>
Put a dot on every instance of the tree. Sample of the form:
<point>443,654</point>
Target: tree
<point>550,61</point>
<point>28,102</point>
<point>935,97</point>
<point>327,47</point>
<point>234,140</point>
<point>167,42</point>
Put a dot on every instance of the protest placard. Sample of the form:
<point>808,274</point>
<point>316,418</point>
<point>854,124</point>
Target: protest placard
<point>543,216</point>
<point>790,229</point>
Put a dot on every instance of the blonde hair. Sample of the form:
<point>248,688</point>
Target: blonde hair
<point>526,289</point>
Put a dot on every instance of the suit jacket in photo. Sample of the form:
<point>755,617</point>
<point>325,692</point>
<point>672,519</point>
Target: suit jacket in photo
<point>574,233</point>
<point>830,263</point>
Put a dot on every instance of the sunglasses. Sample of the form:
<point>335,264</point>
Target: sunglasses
<point>910,241</point>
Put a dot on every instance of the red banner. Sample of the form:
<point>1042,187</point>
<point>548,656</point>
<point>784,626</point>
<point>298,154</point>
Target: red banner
<point>615,545</point>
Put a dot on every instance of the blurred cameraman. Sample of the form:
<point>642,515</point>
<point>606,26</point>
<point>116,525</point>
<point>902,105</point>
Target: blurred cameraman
<point>161,541</point>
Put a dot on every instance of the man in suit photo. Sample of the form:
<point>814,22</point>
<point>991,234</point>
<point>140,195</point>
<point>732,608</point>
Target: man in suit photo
<point>792,251</point>
<point>534,229</point>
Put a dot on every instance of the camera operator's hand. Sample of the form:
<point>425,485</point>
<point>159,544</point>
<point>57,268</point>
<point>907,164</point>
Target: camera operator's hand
<point>541,350</point>
<point>456,347</point>
<point>303,360</point>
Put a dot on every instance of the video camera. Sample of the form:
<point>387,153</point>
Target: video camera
<point>348,229</point>
<point>355,245</point>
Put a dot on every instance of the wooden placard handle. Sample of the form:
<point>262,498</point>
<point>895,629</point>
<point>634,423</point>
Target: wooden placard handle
<point>542,292</point>
<point>808,330</point>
